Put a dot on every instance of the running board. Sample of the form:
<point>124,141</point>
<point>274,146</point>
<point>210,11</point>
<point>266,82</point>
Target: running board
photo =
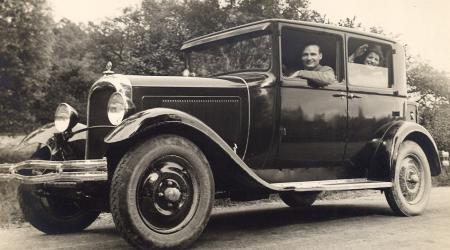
<point>330,185</point>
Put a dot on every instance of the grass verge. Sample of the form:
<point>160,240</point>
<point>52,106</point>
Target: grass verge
<point>10,213</point>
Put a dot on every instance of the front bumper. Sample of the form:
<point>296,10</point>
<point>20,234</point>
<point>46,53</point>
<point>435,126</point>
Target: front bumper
<point>40,171</point>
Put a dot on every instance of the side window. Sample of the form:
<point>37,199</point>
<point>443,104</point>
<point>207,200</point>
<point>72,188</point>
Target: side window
<point>369,64</point>
<point>299,53</point>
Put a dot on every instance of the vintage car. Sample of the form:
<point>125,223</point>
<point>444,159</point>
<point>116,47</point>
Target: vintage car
<point>240,123</point>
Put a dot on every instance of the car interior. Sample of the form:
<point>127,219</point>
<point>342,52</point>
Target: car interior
<point>294,40</point>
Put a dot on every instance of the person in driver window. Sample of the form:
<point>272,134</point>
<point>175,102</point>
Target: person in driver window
<point>368,55</point>
<point>316,74</point>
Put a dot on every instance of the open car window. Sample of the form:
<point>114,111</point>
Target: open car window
<point>369,64</point>
<point>294,40</point>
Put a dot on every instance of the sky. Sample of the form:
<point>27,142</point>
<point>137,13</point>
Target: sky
<point>423,25</point>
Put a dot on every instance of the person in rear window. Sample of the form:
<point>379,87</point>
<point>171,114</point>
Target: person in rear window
<point>368,55</point>
<point>316,74</point>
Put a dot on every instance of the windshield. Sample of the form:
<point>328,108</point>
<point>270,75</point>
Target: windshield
<point>232,55</point>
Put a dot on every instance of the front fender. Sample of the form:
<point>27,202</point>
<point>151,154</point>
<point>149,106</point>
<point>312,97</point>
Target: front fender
<point>44,137</point>
<point>145,120</point>
<point>389,140</point>
<point>152,119</point>
<point>149,119</point>
<point>44,133</point>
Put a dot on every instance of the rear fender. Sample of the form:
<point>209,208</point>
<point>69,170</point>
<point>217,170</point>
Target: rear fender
<point>156,121</point>
<point>389,141</point>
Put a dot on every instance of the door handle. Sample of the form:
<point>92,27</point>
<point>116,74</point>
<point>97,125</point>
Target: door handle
<point>353,96</point>
<point>341,94</point>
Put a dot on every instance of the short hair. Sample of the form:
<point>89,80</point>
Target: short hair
<point>312,44</point>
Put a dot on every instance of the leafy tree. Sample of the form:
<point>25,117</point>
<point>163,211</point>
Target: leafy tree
<point>350,23</point>
<point>25,51</point>
<point>246,11</point>
<point>199,18</point>
<point>147,40</point>
<point>430,85</point>
<point>431,89</point>
<point>144,41</point>
<point>440,127</point>
<point>72,69</point>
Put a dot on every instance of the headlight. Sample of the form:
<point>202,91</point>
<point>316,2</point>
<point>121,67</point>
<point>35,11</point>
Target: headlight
<point>117,107</point>
<point>66,117</point>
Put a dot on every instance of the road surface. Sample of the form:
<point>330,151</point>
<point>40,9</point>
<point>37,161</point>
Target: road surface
<point>361,223</point>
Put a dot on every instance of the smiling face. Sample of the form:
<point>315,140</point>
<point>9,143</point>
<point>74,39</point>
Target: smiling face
<point>311,57</point>
<point>372,59</point>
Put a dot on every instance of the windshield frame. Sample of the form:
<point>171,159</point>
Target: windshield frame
<point>238,33</point>
<point>222,35</point>
<point>229,40</point>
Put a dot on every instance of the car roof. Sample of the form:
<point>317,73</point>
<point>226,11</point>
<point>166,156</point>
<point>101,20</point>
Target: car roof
<point>264,24</point>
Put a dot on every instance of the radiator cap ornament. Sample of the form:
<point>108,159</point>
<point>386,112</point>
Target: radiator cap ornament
<point>108,70</point>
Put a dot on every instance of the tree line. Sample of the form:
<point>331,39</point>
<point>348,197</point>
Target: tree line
<point>43,63</point>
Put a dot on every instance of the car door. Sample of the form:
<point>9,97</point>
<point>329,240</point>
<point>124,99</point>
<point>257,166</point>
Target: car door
<point>313,121</point>
<point>373,102</point>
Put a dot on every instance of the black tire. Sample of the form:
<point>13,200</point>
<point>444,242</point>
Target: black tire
<point>299,199</point>
<point>162,193</point>
<point>53,215</point>
<point>411,180</point>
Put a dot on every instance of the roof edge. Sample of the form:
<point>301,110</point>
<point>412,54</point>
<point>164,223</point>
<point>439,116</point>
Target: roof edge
<point>198,40</point>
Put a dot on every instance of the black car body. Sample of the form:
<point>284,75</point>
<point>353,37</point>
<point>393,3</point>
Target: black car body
<point>259,130</point>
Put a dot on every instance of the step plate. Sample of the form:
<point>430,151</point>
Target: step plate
<point>330,185</point>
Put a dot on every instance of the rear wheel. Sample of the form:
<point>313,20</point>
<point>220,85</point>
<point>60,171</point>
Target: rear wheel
<point>299,199</point>
<point>162,193</point>
<point>411,180</point>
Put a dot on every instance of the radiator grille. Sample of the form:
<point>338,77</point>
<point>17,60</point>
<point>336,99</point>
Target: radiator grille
<point>97,115</point>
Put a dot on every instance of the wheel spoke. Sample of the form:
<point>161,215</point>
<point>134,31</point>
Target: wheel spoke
<point>410,179</point>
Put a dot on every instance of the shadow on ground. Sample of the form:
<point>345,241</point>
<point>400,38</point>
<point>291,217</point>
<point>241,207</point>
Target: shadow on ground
<point>241,227</point>
<point>283,216</point>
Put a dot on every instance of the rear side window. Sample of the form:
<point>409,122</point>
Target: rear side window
<point>369,64</point>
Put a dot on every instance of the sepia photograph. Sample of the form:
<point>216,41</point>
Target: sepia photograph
<point>224,124</point>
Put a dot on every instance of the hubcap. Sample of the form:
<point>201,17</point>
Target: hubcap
<point>172,194</point>
<point>167,195</point>
<point>411,179</point>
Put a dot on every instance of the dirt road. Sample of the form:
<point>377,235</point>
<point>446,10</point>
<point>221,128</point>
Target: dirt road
<point>362,223</point>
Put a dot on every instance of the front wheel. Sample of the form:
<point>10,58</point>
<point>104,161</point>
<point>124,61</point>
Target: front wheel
<point>411,180</point>
<point>53,214</point>
<point>162,193</point>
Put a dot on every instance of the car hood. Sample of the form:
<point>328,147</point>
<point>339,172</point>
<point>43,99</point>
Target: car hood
<point>185,82</point>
